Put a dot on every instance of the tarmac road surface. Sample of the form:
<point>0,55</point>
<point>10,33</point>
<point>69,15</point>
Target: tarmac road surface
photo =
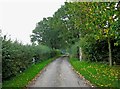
<point>59,73</point>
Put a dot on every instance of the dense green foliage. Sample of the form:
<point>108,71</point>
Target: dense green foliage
<point>92,26</point>
<point>22,79</point>
<point>17,57</point>
<point>93,72</point>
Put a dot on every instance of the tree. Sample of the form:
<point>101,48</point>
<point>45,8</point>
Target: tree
<point>95,24</point>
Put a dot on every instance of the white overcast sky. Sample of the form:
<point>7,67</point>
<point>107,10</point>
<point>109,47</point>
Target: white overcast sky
<point>19,17</point>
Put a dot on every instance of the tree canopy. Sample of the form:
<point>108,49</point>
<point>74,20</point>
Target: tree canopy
<point>93,26</point>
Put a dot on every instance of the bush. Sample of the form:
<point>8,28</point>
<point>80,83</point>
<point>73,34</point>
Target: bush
<point>17,57</point>
<point>98,50</point>
<point>55,52</point>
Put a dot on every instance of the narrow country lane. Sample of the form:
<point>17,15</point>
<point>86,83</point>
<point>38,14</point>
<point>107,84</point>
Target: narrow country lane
<point>59,73</point>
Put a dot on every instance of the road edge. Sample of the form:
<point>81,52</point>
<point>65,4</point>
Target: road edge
<point>32,81</point>
<point>81,76</point>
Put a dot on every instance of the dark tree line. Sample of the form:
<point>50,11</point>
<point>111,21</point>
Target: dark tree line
<point>90,28</point>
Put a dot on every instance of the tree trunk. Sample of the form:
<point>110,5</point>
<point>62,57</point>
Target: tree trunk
<point>79,52</point>
<point>110,54</point>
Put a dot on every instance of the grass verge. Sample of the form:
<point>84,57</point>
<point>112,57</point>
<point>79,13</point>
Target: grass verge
<point>22,79</point>
<point>98,74</point>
